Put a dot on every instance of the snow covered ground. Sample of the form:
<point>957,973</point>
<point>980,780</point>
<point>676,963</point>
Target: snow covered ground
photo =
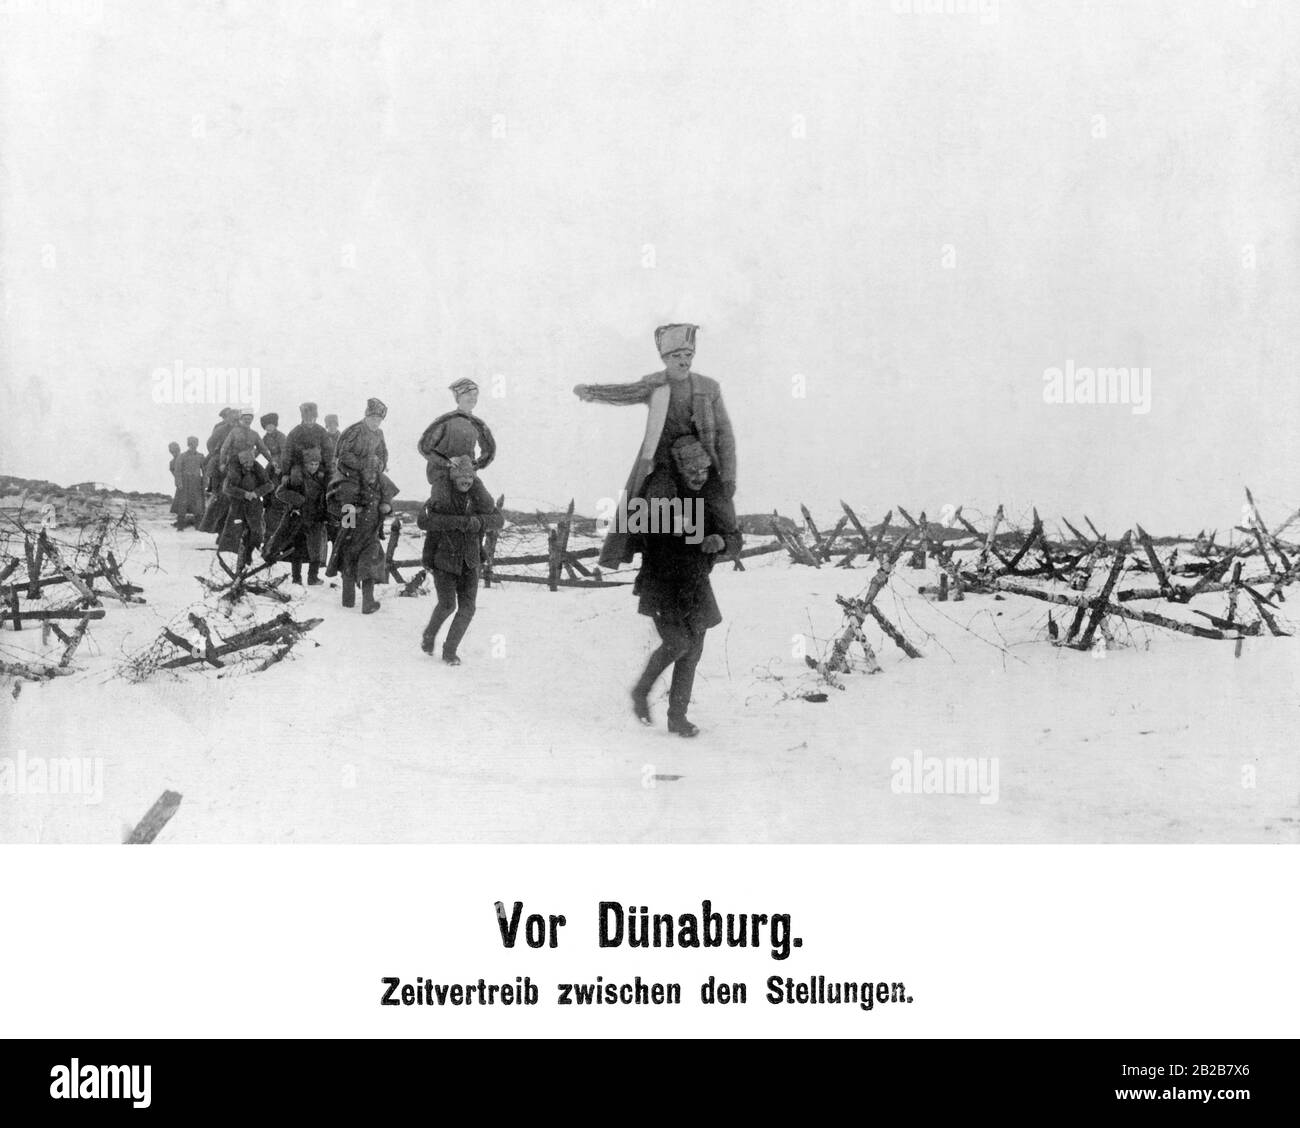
<point>359,737</point>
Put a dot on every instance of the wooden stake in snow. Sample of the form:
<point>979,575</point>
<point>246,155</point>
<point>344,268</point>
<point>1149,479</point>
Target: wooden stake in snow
<point>1234,589</point>
<point>869,543</point>
<point>394,535</point>
<point>793,544</point>
<point>811,525</point>
<point>982,564</point>
<point>893,632</point>
<point>857,611</point>
<point>489,547</point>
<point>829,543</point>
<point>72,577</point>
<point>557,541</point>
<point>157,817</point>
<point>35,558</point>
<point>1263,536</point>
<point>1099,605</point>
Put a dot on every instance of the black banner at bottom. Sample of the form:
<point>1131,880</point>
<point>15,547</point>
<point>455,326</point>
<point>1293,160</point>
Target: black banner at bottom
<point>337,1077</point>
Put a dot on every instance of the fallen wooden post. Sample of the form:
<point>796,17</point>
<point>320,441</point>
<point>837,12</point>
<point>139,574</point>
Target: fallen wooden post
<point>559,583</point>
<point>1083,603</point>
<point>31,672</point>
<point>18,617</point>
<point>272,631</point>
<point>412,587</point>
<point>760,550</point>
<point>545,557</point>
<point>157,817</point>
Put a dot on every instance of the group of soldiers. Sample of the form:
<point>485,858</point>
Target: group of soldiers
<point>323,494</point>
<point>320,496</point>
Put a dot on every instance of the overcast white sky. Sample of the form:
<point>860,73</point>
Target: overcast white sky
<point>917,213</point>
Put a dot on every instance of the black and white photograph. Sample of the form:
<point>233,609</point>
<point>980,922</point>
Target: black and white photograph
<point>625,423</point>
<point>645,423</point>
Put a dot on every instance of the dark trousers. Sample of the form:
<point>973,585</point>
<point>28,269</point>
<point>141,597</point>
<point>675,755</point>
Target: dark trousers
<point>681,648</point>
<point>457,592</point>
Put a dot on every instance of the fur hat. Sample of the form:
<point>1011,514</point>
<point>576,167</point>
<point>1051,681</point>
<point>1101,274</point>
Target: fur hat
<point>307,411</point>
<point>670,338</point>
<point>269,418</point>
<point>461,466</point>
<point>332,419</point>
<point>376,406</point>
<point>689,454</point>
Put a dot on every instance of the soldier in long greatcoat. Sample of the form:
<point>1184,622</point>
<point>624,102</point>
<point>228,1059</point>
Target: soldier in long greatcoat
<point>363,440</point>
<point>245,486</point>
<point>358,508</point>
<point>189,484</point>
<point>300,536</point>
<point>305,436</point>
<point>214,475</point>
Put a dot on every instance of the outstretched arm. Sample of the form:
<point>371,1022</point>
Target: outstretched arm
<point>638,391</point>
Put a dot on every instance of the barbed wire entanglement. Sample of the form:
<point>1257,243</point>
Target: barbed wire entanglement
<point>60,570</point>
